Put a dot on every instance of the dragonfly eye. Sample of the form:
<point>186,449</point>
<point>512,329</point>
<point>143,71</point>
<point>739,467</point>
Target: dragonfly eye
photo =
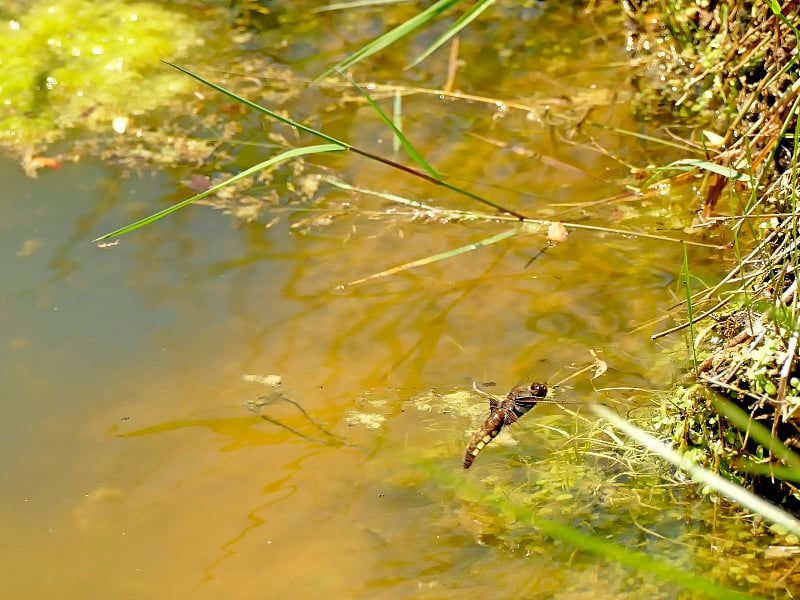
<point>539,390</point>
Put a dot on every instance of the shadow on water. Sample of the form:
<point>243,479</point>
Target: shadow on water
<point>133,468</point>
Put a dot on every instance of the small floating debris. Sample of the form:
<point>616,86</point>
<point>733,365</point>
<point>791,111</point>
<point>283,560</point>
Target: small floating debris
<point>368,420</point>
<point>268,380</point>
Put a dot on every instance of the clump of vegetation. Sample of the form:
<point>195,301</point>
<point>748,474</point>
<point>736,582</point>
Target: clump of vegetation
<point>733,64</point>
<point>728,66</point>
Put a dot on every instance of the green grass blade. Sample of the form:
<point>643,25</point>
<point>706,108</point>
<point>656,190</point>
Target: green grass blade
<point>412,152</point>
<point>689,306</point>
<point>778,12</point>
<point>690,164</point>
<point>416,204</point>
<point>390,37</point>
<point>465,19</point>
<point>768,470</point>
<point>397,119</point>
<point>424,175</point>
<point>258,107</point>
<point>643,136</point>
<point>295,152</point>
<point>722,486</point>
<point>437,257</point>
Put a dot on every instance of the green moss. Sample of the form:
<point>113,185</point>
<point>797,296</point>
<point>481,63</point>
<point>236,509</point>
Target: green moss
<point>69,62</point>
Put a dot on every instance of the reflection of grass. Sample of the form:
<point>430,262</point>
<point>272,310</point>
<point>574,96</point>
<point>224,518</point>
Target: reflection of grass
<point>71,62</point>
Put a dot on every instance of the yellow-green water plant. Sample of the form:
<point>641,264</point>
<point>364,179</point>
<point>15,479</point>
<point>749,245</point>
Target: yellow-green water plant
<point>600,546</point>
<point>418,21</point>
<point>70,63</point>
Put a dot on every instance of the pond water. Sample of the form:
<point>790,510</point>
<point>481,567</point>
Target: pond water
<point>133,467</point>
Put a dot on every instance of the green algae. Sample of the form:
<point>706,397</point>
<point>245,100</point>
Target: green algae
<point>70,63</point>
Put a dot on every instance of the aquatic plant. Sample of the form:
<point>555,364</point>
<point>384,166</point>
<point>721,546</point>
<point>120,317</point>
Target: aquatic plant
<point>70,63</point>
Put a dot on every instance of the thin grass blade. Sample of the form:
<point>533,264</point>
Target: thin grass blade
<point>465,19</point>
<point>689,306</point>
<point>690,164</point>
<point>599,546</point>
<point>761,434</point>
<point>437,257</point>
<point>397,119</point>
<point>416,204</point>
<point>390,37</point>
<point>345,146</point>
<point>768,470</point>
<point>258,107</point>
<point>293,153</point>
<point>412,152</point>
<point>642,136</point>
<point>355,4</point>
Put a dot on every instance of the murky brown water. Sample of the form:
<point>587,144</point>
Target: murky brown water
<point>132,468</point>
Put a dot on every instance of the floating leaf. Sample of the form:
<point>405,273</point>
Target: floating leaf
<point>687,164</point>
<point>714,140</point>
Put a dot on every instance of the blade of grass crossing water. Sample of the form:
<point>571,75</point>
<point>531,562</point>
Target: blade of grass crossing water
<point>258,107</point>
<point>594,544</point>
<point>437,257</point>
<point>690,164</point>
<point>429,172</point>
<point>425,175</point>
<point>390,37</point>
<point>464,20</point>
<point>412,152</point>
<point>295,152</point>
<point>722,486</point>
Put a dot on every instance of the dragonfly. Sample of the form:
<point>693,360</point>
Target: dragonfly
<point>504,412</point>
<point>518,402</point>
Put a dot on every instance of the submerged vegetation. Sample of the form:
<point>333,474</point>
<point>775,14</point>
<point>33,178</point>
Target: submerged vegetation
<point>582,485</point>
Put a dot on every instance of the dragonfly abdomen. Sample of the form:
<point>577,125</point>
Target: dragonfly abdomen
<point>491,427</point>
<point>503,412</point>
